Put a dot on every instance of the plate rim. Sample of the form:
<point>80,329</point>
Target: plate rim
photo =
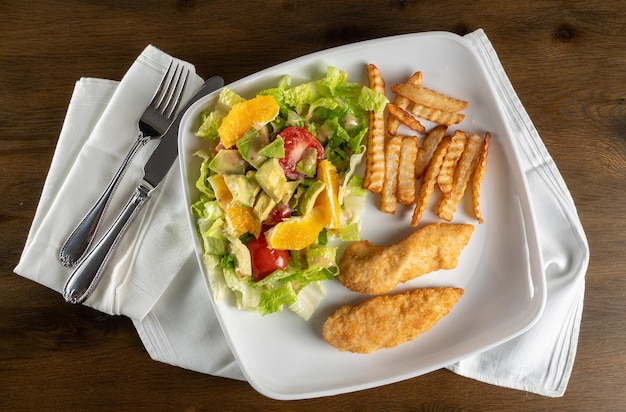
<point>535,259</point>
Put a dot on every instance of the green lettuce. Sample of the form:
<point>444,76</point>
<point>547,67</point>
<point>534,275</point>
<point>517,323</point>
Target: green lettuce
<point>308,299</point>
<point>273,300</point>
<point>332,108</point>
<point>335,110</point>
<point>210,120</point>
<point>202,183</point>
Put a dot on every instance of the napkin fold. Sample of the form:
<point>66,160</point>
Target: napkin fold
<point>100,127</point>
<point>147,286</point>
<point>541,359</point>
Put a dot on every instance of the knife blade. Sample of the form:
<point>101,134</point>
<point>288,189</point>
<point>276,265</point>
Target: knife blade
<point>85,276</point>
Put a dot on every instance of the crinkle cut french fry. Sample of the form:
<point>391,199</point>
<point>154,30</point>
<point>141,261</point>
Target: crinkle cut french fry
<point>375,154</point>
<point>479,172</point>
<point>374,79</point>
<point>429,180</point>
<point>429,97</point>
<point>462,174</point>
<point>402,102</point>
<point>436,115</point>
<point>388,198</point>
<point>406,172</point>
<point>405,118</point>
<point>446,174</point>
<point>430,143</point>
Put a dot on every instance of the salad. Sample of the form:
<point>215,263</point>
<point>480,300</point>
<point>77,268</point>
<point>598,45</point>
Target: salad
<point>278,189</point>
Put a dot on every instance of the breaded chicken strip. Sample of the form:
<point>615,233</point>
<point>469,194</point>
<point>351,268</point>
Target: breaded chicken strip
<point>371,269</point>
<point>387,321</point>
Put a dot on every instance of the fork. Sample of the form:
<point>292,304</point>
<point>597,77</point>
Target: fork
<point>153,122</point>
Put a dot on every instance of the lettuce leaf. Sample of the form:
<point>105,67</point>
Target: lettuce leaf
<point>308,300</point>
<point>211,119</point>
<point>273,300</point>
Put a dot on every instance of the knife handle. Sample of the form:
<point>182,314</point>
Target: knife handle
<point>83,235</point>
<point>85,276</point>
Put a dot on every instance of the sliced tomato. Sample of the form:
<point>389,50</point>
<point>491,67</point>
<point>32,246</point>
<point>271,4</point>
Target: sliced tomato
<point>265,260</point>
<point>280,212</point>
<point>297,141</point>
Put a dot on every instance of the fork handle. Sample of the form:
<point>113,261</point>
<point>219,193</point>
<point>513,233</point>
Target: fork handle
<point>83,280</point>
<point>83,235</point>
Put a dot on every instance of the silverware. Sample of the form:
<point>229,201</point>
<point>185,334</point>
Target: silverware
<point>152,124</point>
<point>86,275</point>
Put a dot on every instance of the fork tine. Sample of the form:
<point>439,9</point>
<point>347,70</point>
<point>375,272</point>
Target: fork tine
<point>173,75</point>
<point>177,91</point>
<point>163,87</point>
<point>170,91</point>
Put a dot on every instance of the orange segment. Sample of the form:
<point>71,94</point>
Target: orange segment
<point>249,113</point>
<point>222,193</point>
<point>240,220</point>
<point>327,173</point>
<point>298,232</point>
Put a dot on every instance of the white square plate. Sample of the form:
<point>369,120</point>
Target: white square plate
<point>285,357</point>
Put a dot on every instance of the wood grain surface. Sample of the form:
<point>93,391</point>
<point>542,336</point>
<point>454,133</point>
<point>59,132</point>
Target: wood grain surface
<point>566,60</point>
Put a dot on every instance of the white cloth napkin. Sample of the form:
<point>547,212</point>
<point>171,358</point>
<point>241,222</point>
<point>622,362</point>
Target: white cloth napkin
<point>100,126</point>
<point>540,360</point>
<point>185,332</point>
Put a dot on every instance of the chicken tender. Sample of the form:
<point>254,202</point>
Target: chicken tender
<point>372,269</point>
<point>387,321</point>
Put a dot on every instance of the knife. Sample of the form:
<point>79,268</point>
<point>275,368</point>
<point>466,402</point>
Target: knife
<point>85,276</point>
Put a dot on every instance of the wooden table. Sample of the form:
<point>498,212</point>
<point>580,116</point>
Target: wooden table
<point>566,60</point>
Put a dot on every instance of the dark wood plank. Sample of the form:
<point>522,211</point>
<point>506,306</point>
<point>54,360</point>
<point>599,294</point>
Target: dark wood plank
<point>565,59</point>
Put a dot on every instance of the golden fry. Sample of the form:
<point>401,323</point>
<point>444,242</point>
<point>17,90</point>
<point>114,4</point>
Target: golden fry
<point>462,174</point>
<point>478,176</point>
<point>430,178</point>
<point>374,156</point>
<point>374,79</point>
<point>406,174</point>
<point>402,102</point>
<point>429,97</point>
<point>388,321</point>
<point>448,163</point>
<point>431,141</point>
<point>436,115</point>
<point>392,162</point>
<point>373,269</point>
<point>446,174</point>
<point>405,118</point>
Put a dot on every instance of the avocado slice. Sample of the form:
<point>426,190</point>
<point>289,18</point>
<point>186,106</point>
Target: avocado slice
<point>228,162</point>
<point>242,188</point>
<point>263,206</point>
<point>308,163</point>
<point>306,202</point>
<point>290,189</point>
<point>271,177</point>
<point>274,149</point>
<point>250,145</point>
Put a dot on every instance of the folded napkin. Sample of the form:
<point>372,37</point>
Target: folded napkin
<point>541,359</point>
<point>186,333</point>
<point>100,127</point>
